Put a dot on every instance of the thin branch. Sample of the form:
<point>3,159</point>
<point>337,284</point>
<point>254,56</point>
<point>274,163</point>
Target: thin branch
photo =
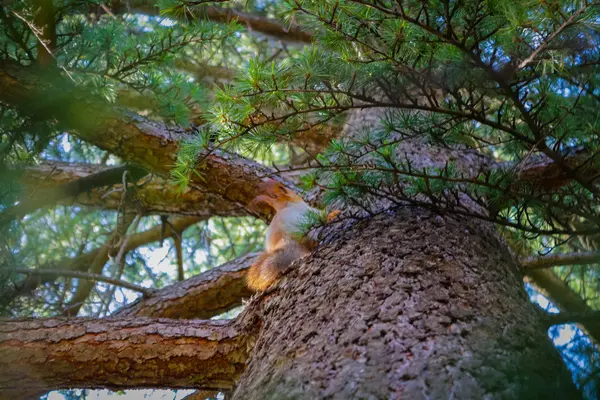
<point>585,258</point>
<point>179,254</point>
<point>83,262</point>
<point>572,317</point>
<point>254,23</point>
<point>82,275</point>
<point>554,34</point>
<point>120,255</point>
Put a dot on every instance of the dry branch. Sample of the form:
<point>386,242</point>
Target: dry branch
<point>83,262</point>
<point>117,353</point>
<point>82,275</point>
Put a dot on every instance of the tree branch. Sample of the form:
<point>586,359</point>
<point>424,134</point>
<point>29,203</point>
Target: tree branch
<point>117,353</point>
<point>105,177</point>
<point>544,45</point>
<point>253,23</point>
<point>82,275</point>
<point>203,296</point>
<point>563,297</point>
<point>585,258</point>
<point>84,288</point>
<point>83,262</point>
<point>45,22</point>
<point>231,180</point>
<point>570,318</point>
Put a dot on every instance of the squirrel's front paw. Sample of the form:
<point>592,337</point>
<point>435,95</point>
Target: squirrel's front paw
<point>333,215</point>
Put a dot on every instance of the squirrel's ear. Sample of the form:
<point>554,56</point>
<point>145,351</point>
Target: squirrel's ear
<point>272,186</point>
<point>258,200</point>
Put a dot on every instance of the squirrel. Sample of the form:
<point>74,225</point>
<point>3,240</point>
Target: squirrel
<point>282,244</point>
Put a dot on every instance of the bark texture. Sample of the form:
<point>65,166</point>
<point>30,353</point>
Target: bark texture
<point>409,305</point>
<point>46,354</point>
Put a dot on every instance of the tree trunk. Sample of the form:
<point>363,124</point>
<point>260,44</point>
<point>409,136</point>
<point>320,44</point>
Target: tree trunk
<point>409,305</point>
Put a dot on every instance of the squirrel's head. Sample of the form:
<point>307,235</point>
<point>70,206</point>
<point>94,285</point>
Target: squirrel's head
<point>275,195</point>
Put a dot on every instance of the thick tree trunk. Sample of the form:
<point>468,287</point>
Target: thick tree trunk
<point>407,305</point>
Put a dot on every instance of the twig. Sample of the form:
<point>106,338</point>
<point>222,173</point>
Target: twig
<point>554,34</point>
<point>121,252</point>
<point>81,275</point>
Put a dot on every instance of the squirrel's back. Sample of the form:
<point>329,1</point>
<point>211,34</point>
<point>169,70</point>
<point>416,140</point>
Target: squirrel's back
<point>272,263</point>
<point>286,223</point>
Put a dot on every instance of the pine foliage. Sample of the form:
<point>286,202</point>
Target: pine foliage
<point>515,81</point>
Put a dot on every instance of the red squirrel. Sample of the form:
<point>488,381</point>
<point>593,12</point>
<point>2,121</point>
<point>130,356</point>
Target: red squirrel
<point>282,245</point>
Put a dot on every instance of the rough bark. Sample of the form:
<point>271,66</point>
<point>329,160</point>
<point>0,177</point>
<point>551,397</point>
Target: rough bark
<point>202,296</point>
<point>407,305</point>
<point>157,195</point>
<point>46,354</point>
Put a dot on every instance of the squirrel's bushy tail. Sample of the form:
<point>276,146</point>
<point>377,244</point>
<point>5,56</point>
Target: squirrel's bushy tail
<point>270,265</point>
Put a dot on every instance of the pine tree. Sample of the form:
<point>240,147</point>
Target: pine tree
<point>460,139</point>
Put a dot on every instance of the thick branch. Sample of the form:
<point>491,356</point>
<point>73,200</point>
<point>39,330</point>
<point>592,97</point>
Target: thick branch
<point>570,318</point>
<point>254,23</point>
<point>231,180</point>
<point>563,297</point>
<point>45,21</point>
<point>52,194</point>
<point>156,195</point>
<point>548,174</point>
<point>203,296</point>
<point>586,258</point>
<point>117,353</point>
